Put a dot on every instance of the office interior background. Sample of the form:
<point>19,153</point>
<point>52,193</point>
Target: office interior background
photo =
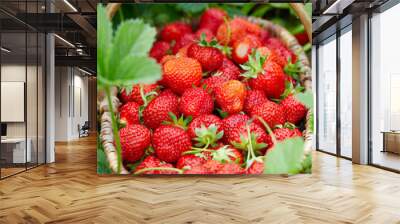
<point>48,107</point>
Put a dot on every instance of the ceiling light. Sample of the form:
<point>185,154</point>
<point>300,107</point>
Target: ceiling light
<point>84,71</point>
<point>65,41</point>
<point>70,5</point>
<point>5,50</point>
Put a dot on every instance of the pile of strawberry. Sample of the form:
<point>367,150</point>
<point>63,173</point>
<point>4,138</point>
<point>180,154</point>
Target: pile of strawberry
<point>225,98</point>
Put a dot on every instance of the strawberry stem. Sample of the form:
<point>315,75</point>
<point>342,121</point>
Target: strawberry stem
<point>268,129</point>
<point>179,171</point>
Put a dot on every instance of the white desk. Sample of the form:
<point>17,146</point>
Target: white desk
<point>18,149</point>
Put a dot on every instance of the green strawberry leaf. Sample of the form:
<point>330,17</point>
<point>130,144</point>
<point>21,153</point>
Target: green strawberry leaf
<point>104,40</point>
<point>192,8</point>
<point>307,164</point>
<point>285,157</point>
<point>306,98</point>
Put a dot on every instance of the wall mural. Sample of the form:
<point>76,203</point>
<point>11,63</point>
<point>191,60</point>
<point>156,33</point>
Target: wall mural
<point>204,88</point>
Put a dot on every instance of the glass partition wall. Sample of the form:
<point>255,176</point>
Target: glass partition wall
<point>22,98</point>
<point>385,90</point>
<point>334,94</point>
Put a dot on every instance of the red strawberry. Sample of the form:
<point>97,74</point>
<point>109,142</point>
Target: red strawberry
<point>170,142</point>
<point>211,83</point>
<point>272,113</point>
<point>208,34</point>
<point>195,102</point>
<point>230,96</point>
<point>212,18</point>
<point>233,30</point>
<point>199,169</point>
<point>253,98</point>
<point>230,168</point>
<point>159,50</point>
<point>229,70</point>
<point>265,75</point>
<point>129,112</point>
<point>174,31</point>
<point>209,57</point>
<point>240,138</point>
<point>272,55</point>
<point>153,162</point>
<point>243,47</point>
<point>295,111</point>
<point>231,122</point>
<point>206,121</point>
<point>134,140</point>
<point>227,154</point>
<point>264,36</point>
<point>284,133</point>
<point>185,40</point>
<point>181,73</point>
<point>302,38</point>
<point>281,49</point>
<point>256,167</point>
<point>189,161</point>
<point>158,109</point>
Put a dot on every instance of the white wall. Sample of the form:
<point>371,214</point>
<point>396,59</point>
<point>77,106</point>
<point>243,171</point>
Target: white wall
<point>70,83</point>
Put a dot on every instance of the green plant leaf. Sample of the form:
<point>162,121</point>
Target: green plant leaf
<point>307,164</point>
<point>104,40</point>
<point>285,157</point>
<point>137,69</point>
<point>133,37</point>
<point>192,7</point>
<point>306,98</point>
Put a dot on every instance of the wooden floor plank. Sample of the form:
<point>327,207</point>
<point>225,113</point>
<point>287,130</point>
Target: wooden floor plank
<point>70,191</point>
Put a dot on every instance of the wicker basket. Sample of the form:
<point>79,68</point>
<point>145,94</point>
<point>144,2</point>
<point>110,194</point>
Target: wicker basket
<point>275,30</point>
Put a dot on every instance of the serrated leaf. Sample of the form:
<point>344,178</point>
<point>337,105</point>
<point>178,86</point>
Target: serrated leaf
<point>133,37</point>
<point>104,40</point>
<point>285,157</point>
<point>306,98</point>
<point>135,69</point>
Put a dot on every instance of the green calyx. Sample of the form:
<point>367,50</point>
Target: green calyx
<point>226,50</point>
<point>254,65</point>
<point>290,90</point>
<point>245,141</point>
<point>293,69</point>
<point>181,122</point>
<point>223,154</point>
<point>207,136</point>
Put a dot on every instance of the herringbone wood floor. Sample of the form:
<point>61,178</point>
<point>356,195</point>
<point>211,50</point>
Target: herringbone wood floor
<point>69,191</point>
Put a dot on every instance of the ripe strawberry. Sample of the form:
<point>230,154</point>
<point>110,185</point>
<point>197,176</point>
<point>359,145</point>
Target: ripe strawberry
<point>174,31</point>
<point>129,113</point>
<point>230,168</point>
<point>181,73</point>
<point>281,49</point>
<point>211,83</point>
<point>149,91</point>
<point>229,70</point>
<point>233,30</point>
<point>264,36</point>
<point>295,111</point>
<point>212,166</point>
<point>170,142</point>
<point>284,133</point>
<point>209,57</point>
<point>227,154</point>
<point>134,140</point>
<point>195,102</point>
<point>272,55</point>
<point>208,34</point>
<point>231,122</point>
<point>183,51</point>
<point>253,98</point>
<point>183,41</point>
<point>272,113</point>
<point>243,47</point>
<point>158,109</point>
<point>239,137</point>
<point>265,75</point>
<point>230,96</point>
<point>164,60</point>
<point>256,167</point>
<point>159,50</point>
<point>212,18</point>
<point>189,161</point>
<point>206,121</point>
<point>199,169</point>
<point>153,162</point>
